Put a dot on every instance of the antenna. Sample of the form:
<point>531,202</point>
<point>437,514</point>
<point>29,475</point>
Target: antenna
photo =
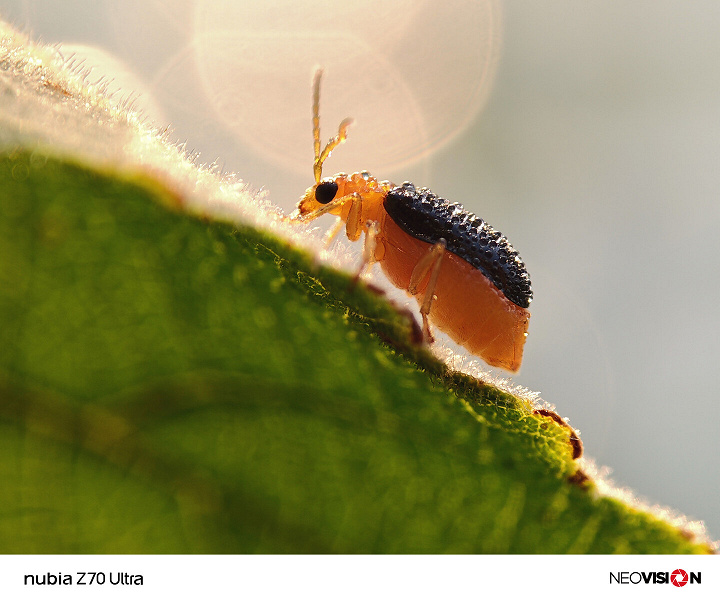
<point>341,136</point>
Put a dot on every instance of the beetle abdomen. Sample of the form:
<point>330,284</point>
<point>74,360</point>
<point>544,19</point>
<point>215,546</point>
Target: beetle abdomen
<point>427,217</point>
<point>467,305</point>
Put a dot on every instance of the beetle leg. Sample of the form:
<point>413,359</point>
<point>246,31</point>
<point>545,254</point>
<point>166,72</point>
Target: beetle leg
<point>325,208</point>
<point>353,226</point>
<point>430,263</point>
<point>369,246</point>
<point>332,232</point>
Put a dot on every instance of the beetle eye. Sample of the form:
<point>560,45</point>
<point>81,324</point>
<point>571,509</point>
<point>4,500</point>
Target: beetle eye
<point>325,191</point>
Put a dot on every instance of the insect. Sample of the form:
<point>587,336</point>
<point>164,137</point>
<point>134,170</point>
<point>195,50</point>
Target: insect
<point>467,278</point>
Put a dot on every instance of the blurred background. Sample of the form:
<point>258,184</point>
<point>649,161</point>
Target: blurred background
<point>588,133</point>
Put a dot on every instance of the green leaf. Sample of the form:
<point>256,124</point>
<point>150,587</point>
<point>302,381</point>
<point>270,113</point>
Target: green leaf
<point>173,384</point>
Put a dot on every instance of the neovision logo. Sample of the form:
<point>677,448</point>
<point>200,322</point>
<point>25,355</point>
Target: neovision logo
<point>678,577</point>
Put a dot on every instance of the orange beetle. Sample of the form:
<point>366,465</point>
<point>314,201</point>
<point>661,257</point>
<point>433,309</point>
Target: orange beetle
<point>469,281</point>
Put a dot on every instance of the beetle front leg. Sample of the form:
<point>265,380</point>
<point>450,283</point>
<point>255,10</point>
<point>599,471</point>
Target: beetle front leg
<point>372,229</point>
<point>353,225</point>
<point>333,205</point>
<point>332,232</point>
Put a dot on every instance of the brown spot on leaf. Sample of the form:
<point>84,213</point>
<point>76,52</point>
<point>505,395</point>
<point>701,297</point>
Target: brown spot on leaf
<point>579,478</point>
<point>575,442</point>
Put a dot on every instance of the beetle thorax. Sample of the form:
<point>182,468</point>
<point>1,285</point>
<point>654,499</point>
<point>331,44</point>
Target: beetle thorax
<point>371,191</point>
<point>361,183</point>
